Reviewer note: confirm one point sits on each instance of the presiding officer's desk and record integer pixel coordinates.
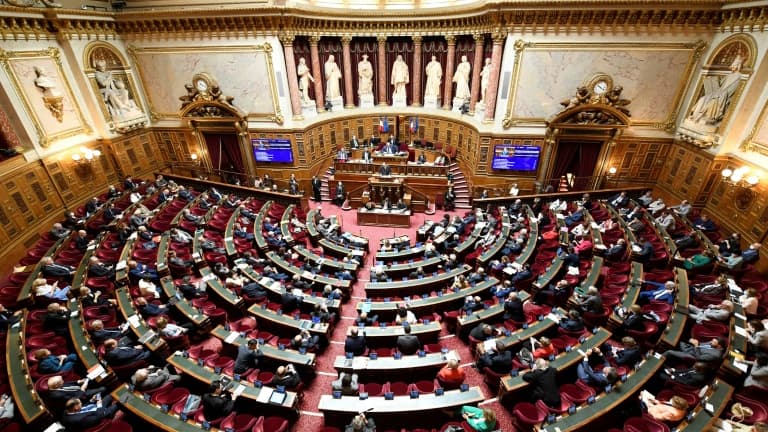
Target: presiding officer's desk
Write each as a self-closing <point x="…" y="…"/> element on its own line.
<point x="562" y="361"/>
<point x="381" y="217"/>
<point x="605" y="402"/>
<point x="401" y="410"/>
<point x="288" y="355"/>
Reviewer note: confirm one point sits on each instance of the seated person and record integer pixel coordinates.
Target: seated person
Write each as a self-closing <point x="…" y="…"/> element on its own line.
<point x="666" y="221"/>
<point x="696" y="376"/>
<point x="484" y="332"/>
<point x="56" y="319"/>
<point x="616" y="251"/>
<point x="153" y="377"/>
<point x="560" y="291"/>
<point x="591" y="301"/>
<point x="752" y="253"/>
<point x="599" y="379"/>
<point x="572" y="322"/>
<point x="385" y="170"/>
<point x="355" y="342"/>
<point x="407" y="343"/>
<point x="629" y="354"/>
<point x="286" y="376"/>
<point x="714" y="312"/>
<point x="79" y="417"/>
<point x="405" y="315"/>
<point x="683" y="208"/>
<point x="480" y="419"/>
<point x="346" y="384"/>
<point x="147" y="309"/>
<point x="732" y="261"/>
<point x="699" y="260"/>
<point x="117" y="355"/>
<point x="48" y="363"/>
<point x="53" y="270"/>
<point x="99" y="333"/>
<point x="41" y="288"/>
<point x="170" y="330"/>
<point x="217" y="403"/>
<point x="671" y="411"/>
<point x="693" y="350"/>
<point x="306" y="341"/>
<point x="513" y="308"/>
<point x="451" y="375"/>
<point x="361" y="423"/>
<point x="498" y="359"/>
<point x="665" y="292"/>
<point x="60" y="391"/>
<point x="248" y="356"/>
<point x="704" y="223"/>
<point x="749" y="301"/>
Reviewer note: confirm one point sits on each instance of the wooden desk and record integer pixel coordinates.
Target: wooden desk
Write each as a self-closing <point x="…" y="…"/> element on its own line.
<point x="125" y="303"/>
<point x="737" y="347"/>
<point x="399" y="369"/>
<point x="394" y="218"/>
<point x="258" y="227"/>
<point x="199" y="319"/>
<point x="291" y="270"/>
<point x="445" y="301"/>
<point x="216" y="286"/>
<point x="287" y="355"/>
<point x="287" y="323"/>
<point x="405" y="268"/>
<point x="338" y="411"/>
<point x="387" y="336"/>
<point x="28" y="403"/>
<point x="563" y="361"/>
<point x="151" y="413"/>
<point x="25" y="294"/>
<point x="208" y="375"/>
<point x="330" y="264"/>
<point x="411" y="287"/>
<point x="671" y="335"/>
<point x="718" y="395"/>
<point x="604" y="403"/>
<point x="630" y="295"/>
<point x="465" y="324"/>
<point x="277" y="289"/>
<point x="405" y="254"/>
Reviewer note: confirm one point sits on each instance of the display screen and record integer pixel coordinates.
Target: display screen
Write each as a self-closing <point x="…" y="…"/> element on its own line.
<point x="272" y="150"/>
<point x="515" y="158"/>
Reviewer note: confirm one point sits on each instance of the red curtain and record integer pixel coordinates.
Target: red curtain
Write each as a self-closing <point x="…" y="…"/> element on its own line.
<point x="578" y="158"/>
<point x="224" y="151"/>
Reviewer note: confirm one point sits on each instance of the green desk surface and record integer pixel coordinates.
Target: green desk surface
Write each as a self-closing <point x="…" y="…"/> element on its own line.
<point x="28" y="404"/>
<point x="400" y="404"/>
<point x="287" y="355"/>
<point x="125" y="304"/>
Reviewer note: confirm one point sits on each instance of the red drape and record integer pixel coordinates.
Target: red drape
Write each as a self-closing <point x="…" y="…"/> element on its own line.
<point x="578" y="158"/>
<point x="225" y="155"/>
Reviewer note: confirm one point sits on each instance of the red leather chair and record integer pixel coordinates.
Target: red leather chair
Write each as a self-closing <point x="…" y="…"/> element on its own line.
<point x="239" y="422"/>
<point x="641" y="336"/>
<point x="492" y="378"/>
<point x="644" y="424"/>
<point x="243" y="325"/>
<point x="373" y="389"/>
<point x="759" y="410"/>
<point x="399" y="388"/>
<point x="170" y="396"/>
<point x="273" y="424"/>
<point x="528" y="415"/>
<point x="200" y="418"/>
<point x="576" y="393"/>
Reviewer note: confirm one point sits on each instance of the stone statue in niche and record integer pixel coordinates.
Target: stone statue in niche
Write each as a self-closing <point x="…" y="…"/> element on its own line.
<point x="485" y="78"/>
<point x="332" y="79"/>
<point x="434" y="72"/>
<point x="365" y="77"/>
<point x="400" y="78"/>
<point x="114" y="92"/>
<point x="461" y="78"/>
<point x="305" y="77"/>
<point x="710" y="108"/>
<point x="52" y="96"/>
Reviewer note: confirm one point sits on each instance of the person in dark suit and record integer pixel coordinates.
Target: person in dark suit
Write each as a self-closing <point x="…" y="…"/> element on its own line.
<point x="48" y="363"/>
<point x="99" y="269"/>
<point x="422" y="158"/>
<point x="498" y="359"/>
<point x="367" y="156"/>
<point x="693" y="350"/>
<point x="79" y="417"/>
<point x="316" y="185"/>
<point x="286" y="376"/>
<point x="355" y="342"/>
<point x="407" y="343"/>
<point x="385" y="170"/>
<point x="60" y="392"/>
<point x="646" y="253"/>
<point x="696" y="376"/>
<point x="110" y="213"/>
<point x="53" y="270"/>
<point x="305" y="341"/>
<point x="100" y="334"/>
<point x="248" y="356"/>
<point x="129" y="184"/>
<point x="147" y="309"/>
<point x="450" y="199"/>
<point x="591" y="302"/>
<point x="341" y="194"/>
<point x="58" y="231"/>
<point x="92" y="206"/>
<point x="543" y="380"/>
<point x="572" y="322"/>
<point x="7" y="317"/>
<point x="56" y="319"/>
<point x="150" y="378"/>
<point x="117" y="355"/>
<point x="616" y="252"/>
<point x="619" y="200"/>
<point x="217" y="403"/>
<point x="513" y="308"/>
<point x="72" y="222"/>
<point x="354" y="143"/>
<point x="629" y="354"/>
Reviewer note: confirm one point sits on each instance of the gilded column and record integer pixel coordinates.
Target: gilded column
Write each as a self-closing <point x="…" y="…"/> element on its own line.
<point x="382" y="75"/>
<point x="416" y="72"/>
<point x="349" y="98"/>
<point x="293" y="80"/>
<point x="448" y="75"/>
<point x="476" y="68"/>
<point x="493" y="82"/>
<point x="317" y="72"/>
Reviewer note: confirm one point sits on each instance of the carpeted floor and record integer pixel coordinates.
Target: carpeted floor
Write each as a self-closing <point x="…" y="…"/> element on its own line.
<point x="311" y="419"/>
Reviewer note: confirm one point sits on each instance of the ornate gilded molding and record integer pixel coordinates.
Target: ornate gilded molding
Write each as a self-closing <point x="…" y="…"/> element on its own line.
<point x="750" y="144"/>
<point x="33" y="3"/>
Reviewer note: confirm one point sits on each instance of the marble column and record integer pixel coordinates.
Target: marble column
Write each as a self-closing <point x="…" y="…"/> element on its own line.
<point x="448" y="75"/>
<point x="317" y="73"/>
<point x="477" y="66"/>
<point x="382" y="66"/>
<point x="349" y="97"/>
<point x="493" y="81"/>
<point x="293" y="80"/>
<point x="417" y="71"/>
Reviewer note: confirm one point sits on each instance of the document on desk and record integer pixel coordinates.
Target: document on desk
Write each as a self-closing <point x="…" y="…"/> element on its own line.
<point x="741" y="331"/>
<point x="452" y="355"/>
<point x="264" y="395"/>
<point x="489" y="345"/>
<point x="238" y="390"/>
<point x="232" y="337"/>
<point x="95" y="371"/>
<point x="134" y="321"/>
<point x="359" y="363"/>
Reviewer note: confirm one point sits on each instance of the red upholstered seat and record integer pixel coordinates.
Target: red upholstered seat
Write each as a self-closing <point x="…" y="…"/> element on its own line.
<point x="239" y="422"/>
<point x="273" y="424"/>
<point x="644" y="424"/>
<point x="528" y="415"/>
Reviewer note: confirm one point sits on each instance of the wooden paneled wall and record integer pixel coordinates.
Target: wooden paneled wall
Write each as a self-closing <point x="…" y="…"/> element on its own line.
<point x="685" y="174"/>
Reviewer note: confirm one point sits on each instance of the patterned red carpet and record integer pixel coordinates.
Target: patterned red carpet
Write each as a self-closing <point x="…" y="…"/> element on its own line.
<point x="311" y="418"/>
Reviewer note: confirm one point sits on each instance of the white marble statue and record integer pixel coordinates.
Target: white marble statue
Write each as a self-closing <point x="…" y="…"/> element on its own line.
<point x="461" y="78"/>
<point x="47" y="84"/>
<point x="400" y="77"/>
<point x="116" y="96"/>
<point x="305" y="77"/>
<point x="485" y="77"/>
<point x="365" y="77"/>
<point x="332" y="79"/>
<point x="434" y="78"/>
<point x="718" y="91"/>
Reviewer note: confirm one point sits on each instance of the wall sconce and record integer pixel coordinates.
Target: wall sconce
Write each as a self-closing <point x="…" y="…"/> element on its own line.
<point x="743" y="183"/>
<point x="87" y="156"/>
<point x="612" y="171"/>
<point x="195" y="158"/>
<point x="739" y="178"/>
